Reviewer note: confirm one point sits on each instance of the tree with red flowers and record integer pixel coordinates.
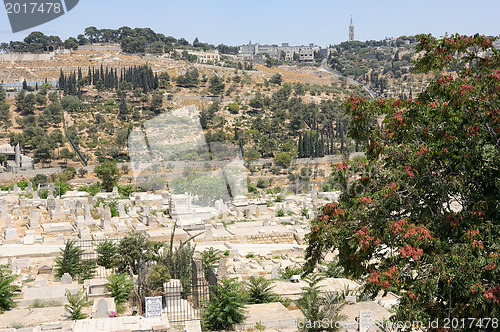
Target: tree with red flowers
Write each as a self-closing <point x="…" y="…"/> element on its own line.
<point x="421" y="216"/>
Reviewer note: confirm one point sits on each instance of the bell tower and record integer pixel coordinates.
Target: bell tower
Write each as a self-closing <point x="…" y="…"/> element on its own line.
<point x="351" y="31"/>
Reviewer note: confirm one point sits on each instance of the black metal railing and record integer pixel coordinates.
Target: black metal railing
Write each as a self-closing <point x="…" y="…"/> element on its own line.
<point x="183" y="297"/>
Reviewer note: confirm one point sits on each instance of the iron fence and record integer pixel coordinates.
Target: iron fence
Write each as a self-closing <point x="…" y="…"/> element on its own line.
<point x="184" y="294"/>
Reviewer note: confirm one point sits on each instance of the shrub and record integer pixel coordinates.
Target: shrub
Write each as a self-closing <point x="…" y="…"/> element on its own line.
<point x="6" y="289"/>
<point x="119" y="287"/>
<point x="107" y="254"/>
<point x="317" y="307"/>
<point x="288" y="272"/>
<point x="210" y="257"/>
<point x="157" y="276"/>
<point x="76" y="302"/>
<point x="260" y="290"/>
<point x="226" y="309"/>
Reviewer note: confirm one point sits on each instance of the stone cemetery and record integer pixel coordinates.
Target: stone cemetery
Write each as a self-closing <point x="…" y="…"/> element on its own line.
<point x="258" y="237"/>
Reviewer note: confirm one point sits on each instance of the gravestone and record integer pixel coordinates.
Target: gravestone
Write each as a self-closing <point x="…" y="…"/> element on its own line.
<point x="265" y="223"/>
<point x="100" y="209"/>
<point x="106" y="219"/>
<point x="45" y="269"/>
<point x="87" y="215"/>
<point x="114" y="193"/>
<point x="222" y="268"/>
<point x="84" y="233"/>
<point x="102" y="308"/>
<point x="365" y="320"/>
<point x="66" y="279"/>
<point x="78" y="206"/>
<point x="29" y="239"/>
<point x="29" y="189"/>
<point x="10" y="235"/>
<point x="209" y="235"/>
<point x="22" y="201"/>
<point x="51" y="203"/>
<point x="35" y="195"/>
<point x="34" y="218"/>
<point x="121" y="211"/>
<point x="90" y="200"/>
<point x="274" y="273"/>
<point x="153" y="306"/>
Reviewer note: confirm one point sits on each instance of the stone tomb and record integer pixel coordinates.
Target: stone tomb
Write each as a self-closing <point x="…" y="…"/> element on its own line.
<point x="57" y="227"/>
<point x="103" y="307"/>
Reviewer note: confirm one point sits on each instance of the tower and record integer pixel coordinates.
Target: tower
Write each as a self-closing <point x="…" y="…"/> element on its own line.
<point x="351" y="31"/>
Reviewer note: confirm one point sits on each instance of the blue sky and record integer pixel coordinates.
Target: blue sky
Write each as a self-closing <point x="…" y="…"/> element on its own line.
<point x="275" y="21"/>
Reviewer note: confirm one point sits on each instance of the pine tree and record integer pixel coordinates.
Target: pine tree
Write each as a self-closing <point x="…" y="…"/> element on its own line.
<point x="70" y="260"/>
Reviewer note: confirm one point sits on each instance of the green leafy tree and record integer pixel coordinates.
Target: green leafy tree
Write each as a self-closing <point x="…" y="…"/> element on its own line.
<point x="227" y="307"/>
<point x="120" y="287"/>
<point x="75" y="305"/>
<point x="44" y="152"/>
<point x="6" y="289"/>
<point x="66" y="154"/>
<point x="108" y="173"/>
<point x="134" y="249"/>
<point x="420" y="216"/>
<point x="82" y="171"/>
<point x="276" y="79"/>
<point x="70" y="260"/>
<point x="107" y="254"/>
<point x="283" y="159"/>
<point x="216" y="86"/>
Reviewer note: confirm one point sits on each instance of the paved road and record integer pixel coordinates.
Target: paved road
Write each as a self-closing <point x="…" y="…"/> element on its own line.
<point x="367" y="87"/>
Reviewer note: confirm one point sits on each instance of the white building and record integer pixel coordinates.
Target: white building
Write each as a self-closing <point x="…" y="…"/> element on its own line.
<point x="15" y="160"/>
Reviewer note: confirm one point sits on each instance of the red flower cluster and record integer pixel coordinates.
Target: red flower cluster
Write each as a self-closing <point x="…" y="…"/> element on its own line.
<point x="393" y="188"/>
<point x="473" y="131"/>
<point x="477" y="244"/>
<point x="448" y="137"/>
<point x="333" y="208"/>
<point x="445" y="79"/>
<point x="495" y="75"/>
<point x="342" y="165"/>
<point x="397" y="103"/>
<point x="422" y="151"/>
<point x="476" y="288"/>
<point x="472" y="233"/>
<point x="408" y="251"/>
<point x="365" y="239"/>
<point x="465" y="88"/>
<point x="490" y="266"/>
<point x="420" y="232"/>
<point x="397" y="225"/>
<point x="366" y="200"/>
<point x="409" y="171"/>
<point x="433" y="104"/>
<point x="398" y="116"/>
<point x="493" y="294"/>
<point x="410" y="295"/>
<point x="355" y="101"/>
